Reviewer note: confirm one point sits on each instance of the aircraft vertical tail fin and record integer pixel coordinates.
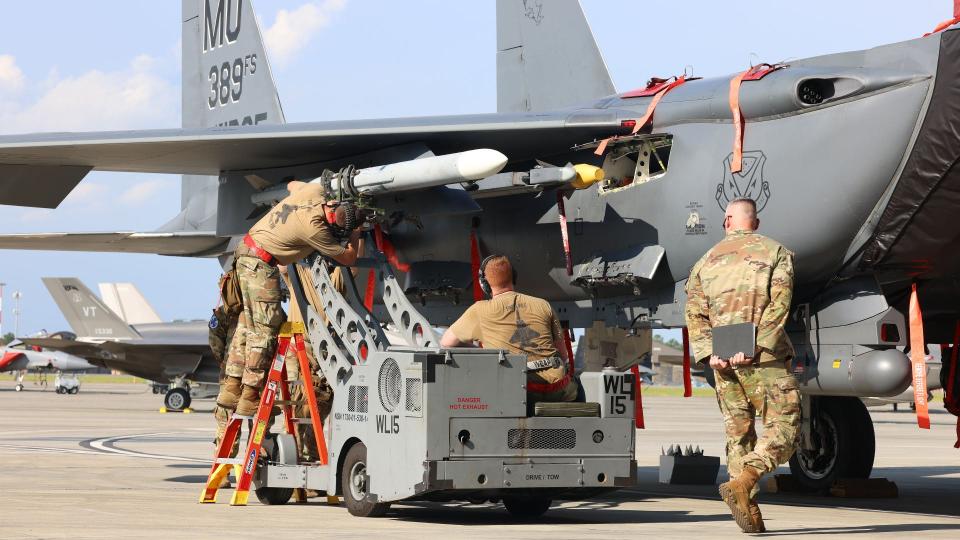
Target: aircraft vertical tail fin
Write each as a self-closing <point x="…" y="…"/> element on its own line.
<point x="87" y="315"/>
<point x="126" y="300"/>
<point x="546" y="56"/>
<point x="227" y="81"/>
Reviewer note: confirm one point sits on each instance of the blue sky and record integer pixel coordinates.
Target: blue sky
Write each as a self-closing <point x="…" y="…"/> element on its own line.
<point x="85" y="66"/>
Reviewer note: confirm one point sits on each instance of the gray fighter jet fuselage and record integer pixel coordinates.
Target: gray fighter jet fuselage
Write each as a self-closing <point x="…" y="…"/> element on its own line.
<point x="849" y="157"/>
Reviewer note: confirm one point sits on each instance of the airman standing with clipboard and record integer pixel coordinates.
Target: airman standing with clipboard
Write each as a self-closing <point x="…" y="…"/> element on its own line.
<point x="747" y="279"/>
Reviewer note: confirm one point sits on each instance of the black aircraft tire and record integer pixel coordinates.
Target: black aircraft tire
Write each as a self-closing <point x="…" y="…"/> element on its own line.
<point x="353" y="478"/>
<point x="861" y="425"/>
<point x="527" y="507"/>
<point x="176" y="399"/>
<point x="835" y="445"/>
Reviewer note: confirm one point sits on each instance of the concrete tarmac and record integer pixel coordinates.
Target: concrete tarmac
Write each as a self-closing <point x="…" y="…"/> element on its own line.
<point x="105" y="464"/>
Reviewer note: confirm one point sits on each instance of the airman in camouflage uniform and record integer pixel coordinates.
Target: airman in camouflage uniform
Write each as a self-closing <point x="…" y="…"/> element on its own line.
<point x="748" y="278"/>
<point x="302" y="223"/>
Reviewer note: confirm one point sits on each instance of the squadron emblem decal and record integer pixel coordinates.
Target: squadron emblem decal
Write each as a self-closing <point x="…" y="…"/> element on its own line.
<point x="695" y="225"/>
<point x="748" y="182"/>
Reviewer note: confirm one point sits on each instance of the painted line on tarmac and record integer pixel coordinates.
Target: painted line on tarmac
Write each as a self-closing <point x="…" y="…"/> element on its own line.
<point x="108" y="445"/>
<point x="51" y="449"/>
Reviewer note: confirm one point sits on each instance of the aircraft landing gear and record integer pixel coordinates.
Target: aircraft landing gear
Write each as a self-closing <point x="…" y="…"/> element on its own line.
<point x="841" y="443"/>
<point x="177" y="399"/>
<point x="18" y="387"/>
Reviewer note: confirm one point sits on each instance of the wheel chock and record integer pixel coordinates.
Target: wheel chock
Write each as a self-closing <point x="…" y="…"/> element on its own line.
<point x="164" y="410"/>
<point x="873" y="488"/>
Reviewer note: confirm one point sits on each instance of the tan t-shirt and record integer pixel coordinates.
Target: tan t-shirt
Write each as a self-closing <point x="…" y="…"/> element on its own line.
<point x="529" y="329"/>
<point x="296" y="227"/>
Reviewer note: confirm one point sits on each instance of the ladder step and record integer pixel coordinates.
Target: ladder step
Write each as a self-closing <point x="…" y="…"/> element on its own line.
<point x="302" y="421"/>
<point x="229" y="461"/>
<point x="283" y="402"/>
<point x="238" y="417"/>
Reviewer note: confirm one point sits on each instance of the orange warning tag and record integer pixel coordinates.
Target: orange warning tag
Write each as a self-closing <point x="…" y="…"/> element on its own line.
<point x="918" y="359"/>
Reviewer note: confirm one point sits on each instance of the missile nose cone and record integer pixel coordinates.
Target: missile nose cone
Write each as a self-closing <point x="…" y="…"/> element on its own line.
<point x="481" y="163"/>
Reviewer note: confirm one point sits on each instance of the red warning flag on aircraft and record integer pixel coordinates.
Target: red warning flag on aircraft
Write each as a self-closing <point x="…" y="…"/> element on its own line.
<point x="755" y="73"/>
<point x="918" y="359"/>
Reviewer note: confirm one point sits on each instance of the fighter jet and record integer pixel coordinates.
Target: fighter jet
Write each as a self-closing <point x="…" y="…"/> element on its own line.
<point x="21" y="358"/>
<point x="849" y="157"/>
<point x="174" y="352"/>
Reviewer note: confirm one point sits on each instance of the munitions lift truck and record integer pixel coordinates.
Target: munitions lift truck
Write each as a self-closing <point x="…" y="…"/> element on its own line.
<point x="417" y="422"/>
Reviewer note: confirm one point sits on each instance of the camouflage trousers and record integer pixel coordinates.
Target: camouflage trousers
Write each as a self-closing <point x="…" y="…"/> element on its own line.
<point x="771" y="390"/>
<point x="304" y="434"/>
<point x="252" y="347"/>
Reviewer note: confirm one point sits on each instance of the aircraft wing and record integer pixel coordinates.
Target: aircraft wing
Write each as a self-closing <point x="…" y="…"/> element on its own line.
<point x="195" y="244"/>
<point x="87" y="351"/>
<point x="61" y="160"/>
<point x="160" y="361"/>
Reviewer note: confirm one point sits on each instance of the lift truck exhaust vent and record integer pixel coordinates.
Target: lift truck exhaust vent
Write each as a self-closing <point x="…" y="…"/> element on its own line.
<point x="357" y="399"/>
<point x="543" y="439"/>
<point x="414" y="397"/>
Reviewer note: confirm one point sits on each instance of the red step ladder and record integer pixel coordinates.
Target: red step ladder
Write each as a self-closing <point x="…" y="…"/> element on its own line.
<point x="245" y="465"/>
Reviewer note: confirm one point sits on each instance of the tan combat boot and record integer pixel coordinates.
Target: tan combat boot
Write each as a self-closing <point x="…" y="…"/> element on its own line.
<point x="229" y="394"/>
<point x="756" y="517"/>
<point x="736" y="493"/>
<point x="249" y="401"/>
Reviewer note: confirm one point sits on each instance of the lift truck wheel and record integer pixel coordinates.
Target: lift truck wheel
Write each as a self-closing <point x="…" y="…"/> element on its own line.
<point x="354" y="478"/>
<point x="177" y="399"/>
<point x="277" y="449"/>
<point x="527" y="507"/>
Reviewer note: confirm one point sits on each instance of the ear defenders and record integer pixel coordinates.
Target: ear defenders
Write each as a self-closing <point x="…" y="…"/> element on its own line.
<point x="345" y="212"/>
<point x="482" y="276"/>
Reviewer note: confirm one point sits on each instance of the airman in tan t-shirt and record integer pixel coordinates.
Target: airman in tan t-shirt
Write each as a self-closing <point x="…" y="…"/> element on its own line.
<point x="520" y="324"/>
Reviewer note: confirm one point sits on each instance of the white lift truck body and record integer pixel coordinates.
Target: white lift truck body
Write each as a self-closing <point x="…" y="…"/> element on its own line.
<point x="417" y="422"/>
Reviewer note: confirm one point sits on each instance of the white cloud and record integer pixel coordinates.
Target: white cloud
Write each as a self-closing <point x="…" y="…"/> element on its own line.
<point x="131" y="98"/>
<point x="140" y="193"/>
<point x="293" y="29"/>
<point x="11" y="78"/>
<point x="87" y="194"/>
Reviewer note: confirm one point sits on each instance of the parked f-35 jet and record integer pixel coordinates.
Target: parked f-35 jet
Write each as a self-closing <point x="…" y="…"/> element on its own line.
<point x="849" y="157"/>
<point x="167" y="352"/>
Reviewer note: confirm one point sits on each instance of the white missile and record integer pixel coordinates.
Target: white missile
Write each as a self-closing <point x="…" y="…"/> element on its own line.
<point x="409" y="175"/>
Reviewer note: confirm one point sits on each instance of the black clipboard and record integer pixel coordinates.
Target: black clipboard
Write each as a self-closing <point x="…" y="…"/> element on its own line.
<point x="731" y="339"/>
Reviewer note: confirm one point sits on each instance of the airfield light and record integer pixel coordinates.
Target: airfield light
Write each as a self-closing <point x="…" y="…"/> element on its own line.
<point x="17" y="295"/>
